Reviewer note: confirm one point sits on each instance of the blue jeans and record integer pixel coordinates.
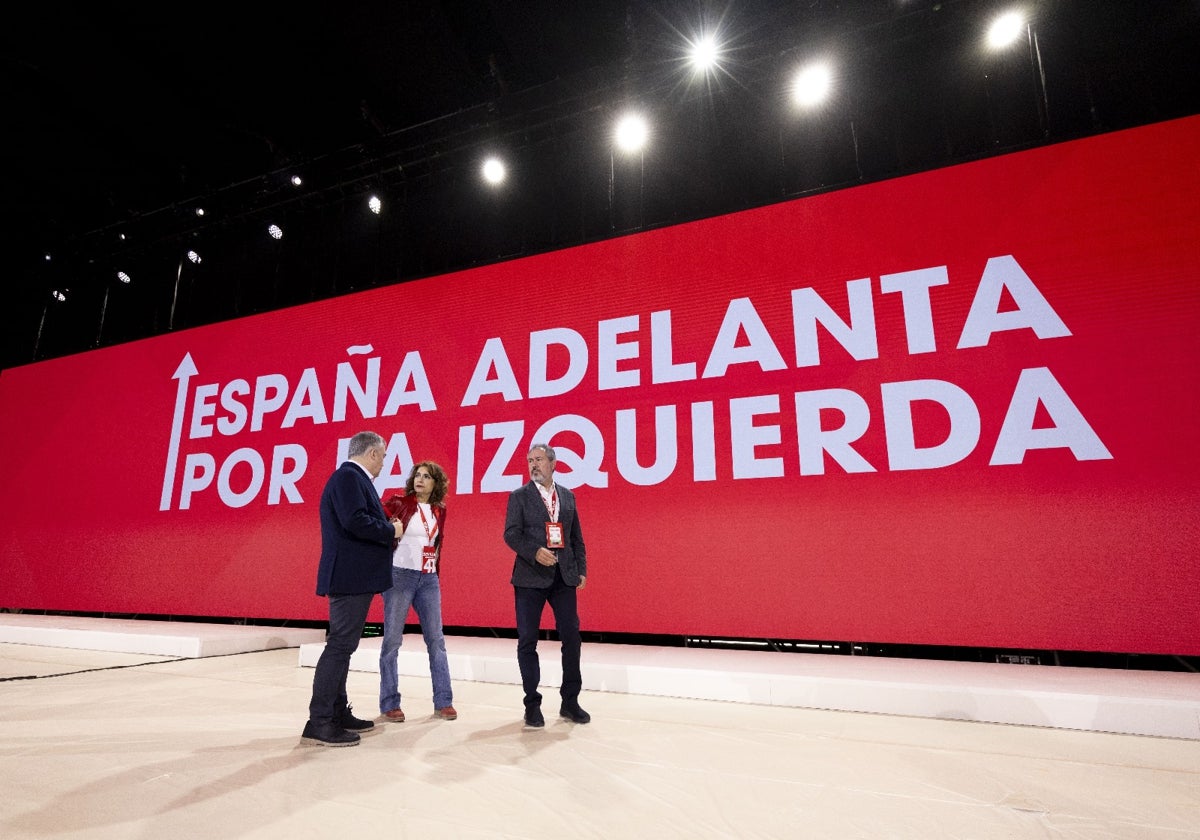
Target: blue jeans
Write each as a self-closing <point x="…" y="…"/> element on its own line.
<point x="530" y="603"/>
<point x="424" y="594"/>
<point x="347" y="616"/>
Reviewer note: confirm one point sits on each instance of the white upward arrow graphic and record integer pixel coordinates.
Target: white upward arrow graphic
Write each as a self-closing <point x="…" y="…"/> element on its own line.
<point x="185" y="371"/>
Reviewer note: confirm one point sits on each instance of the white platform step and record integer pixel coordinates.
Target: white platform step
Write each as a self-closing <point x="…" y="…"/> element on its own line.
<point x="1093" y="699"/>
<point x="160" y="638"/>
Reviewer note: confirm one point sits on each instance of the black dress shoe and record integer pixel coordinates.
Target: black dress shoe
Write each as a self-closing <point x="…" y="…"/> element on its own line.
<point x="572" y="712"/>
<point x="348" y="721"/>
<point x="533" y="716"/>
<point x="328" y="735"/>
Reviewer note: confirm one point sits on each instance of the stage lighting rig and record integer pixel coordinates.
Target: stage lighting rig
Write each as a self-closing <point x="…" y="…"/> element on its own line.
<point x="812" y="84"/>
<point x="631" y="133"/>
<point x="1005" y="30"/>
<point x="494" y="171"/>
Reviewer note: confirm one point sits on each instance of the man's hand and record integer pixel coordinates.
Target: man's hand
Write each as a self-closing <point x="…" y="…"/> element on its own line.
<point x="582" y="582"/>
<point x="545" y="557"/>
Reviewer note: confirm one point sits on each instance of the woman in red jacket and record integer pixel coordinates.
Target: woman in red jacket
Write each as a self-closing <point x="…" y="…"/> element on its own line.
<point x="415" y="566"/>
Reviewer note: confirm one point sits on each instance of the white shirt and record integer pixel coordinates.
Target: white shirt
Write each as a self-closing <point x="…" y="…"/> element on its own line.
<point x="408" y="553"/>
<point x="548" y="494"/>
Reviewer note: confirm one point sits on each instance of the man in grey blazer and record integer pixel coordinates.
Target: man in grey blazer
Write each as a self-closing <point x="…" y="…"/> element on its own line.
<point x="356" y="563"/>
<point x="542" y="527"/>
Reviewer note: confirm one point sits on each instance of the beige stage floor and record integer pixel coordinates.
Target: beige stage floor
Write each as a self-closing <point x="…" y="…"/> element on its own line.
<point x="210" y="748"/>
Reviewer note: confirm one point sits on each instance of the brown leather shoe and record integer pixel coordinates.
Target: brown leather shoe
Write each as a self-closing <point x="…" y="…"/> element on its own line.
<point x="395" y="716"/>
<point x="446" y="713"/>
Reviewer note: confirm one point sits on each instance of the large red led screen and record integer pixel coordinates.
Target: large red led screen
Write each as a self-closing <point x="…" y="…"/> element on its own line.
<point x="956" y="408"/>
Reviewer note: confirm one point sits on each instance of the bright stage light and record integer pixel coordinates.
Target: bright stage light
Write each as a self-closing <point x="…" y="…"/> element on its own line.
<point x="194" y="257"/>
<point x="1005" y="30"/>
<point x="276" y="232"/>
<point x="375" y="204"/>
<point x="631" y="133"/>
<point x="199" y="211"/>
<point x="297" y="180"/>
<point x="811" y="85"/>
<point x="123" y="277"/>
<point x="58" y="296"/>
<point x="704" y="54"/>
<point x="494" y="171"/>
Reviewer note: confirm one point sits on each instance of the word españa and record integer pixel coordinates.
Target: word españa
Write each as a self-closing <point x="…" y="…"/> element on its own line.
<point x="741" y="339"/>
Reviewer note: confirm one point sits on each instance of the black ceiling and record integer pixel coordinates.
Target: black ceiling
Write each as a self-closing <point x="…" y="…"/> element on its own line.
<point x="131" y="110"/>
<point x="118" y="118"/>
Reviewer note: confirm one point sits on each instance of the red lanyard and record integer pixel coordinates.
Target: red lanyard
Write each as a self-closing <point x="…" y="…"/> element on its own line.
<point x="551" y="504"/>
<point x="428" y="533"/>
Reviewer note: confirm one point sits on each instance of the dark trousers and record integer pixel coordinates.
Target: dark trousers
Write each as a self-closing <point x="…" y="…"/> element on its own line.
<point x="347" y="617"/>
<point x="530" y="604"/>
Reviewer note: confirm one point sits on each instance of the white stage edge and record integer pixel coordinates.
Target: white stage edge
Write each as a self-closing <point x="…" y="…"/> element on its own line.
<point x="184" y="639"/>
<point x="1165" y="704"/>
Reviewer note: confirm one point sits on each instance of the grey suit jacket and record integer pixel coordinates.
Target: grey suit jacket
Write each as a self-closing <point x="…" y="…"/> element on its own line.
<point x="525" y="533"/>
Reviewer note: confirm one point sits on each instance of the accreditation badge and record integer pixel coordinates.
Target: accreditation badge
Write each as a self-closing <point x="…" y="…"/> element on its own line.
<point x="554" y="535"/>
<point x="429" y="559"/>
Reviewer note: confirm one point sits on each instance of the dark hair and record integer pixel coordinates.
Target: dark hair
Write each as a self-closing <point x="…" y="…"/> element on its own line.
<point x="440" y="482"/>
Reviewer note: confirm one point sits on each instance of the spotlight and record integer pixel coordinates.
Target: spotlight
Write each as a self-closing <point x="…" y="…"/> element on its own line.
<point x="375" y="204"/>
<point x="47" y="256"/>
<point x="297" y="180"/>
<point x="121" y="236"/>
<point x="1005" y="29"/>
<point x="276" y="232"/>
<point x="631" y="133"/>
<point x="194" y="257"/>
<point x="811" y="85"/>
<point x="59" y="296"/>
<point x="704" y="54"/>
<point x="123" y="277"/>
<point x="199" y="211"/>
<point x="493" y="170"/>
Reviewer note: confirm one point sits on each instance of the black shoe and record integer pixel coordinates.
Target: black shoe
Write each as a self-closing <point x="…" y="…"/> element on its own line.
<point x="349" y="722"/>
<point x="328" y="735"/>
<point x="533" y="716"/>
<point x="572" y="712"/>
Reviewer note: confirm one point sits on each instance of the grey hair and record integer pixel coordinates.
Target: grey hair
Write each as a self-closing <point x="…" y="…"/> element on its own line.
<point x="545" y="447"/>
<point x="364" y="442"/>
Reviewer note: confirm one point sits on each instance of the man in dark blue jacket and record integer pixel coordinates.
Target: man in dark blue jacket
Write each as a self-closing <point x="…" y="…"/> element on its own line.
<point x="356" y="563"/>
